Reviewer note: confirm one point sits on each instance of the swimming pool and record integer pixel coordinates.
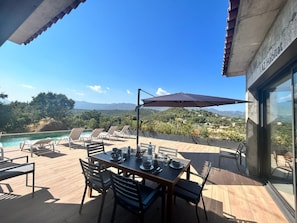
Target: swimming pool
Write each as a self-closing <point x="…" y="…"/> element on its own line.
<point x="8" y="140"/>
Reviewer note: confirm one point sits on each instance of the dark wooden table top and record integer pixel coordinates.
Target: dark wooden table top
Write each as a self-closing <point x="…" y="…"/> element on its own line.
<point x="168" y="175"/>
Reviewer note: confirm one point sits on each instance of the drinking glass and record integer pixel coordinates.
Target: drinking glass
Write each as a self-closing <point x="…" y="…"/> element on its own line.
<point x="166" y="160"/>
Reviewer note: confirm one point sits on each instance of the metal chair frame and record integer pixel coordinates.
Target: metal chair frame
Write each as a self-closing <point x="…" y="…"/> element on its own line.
<point x="133" y="196"/>
<point x="97" y="179"/>
<point x="191" y="191"/>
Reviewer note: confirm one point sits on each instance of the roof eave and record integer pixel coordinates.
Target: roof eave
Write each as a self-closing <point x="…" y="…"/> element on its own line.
<point x="247" y="25"/>
<point x="43" y="17"/>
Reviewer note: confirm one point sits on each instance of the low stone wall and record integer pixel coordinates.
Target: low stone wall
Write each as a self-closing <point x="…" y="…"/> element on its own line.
<point x="190" y="139"/>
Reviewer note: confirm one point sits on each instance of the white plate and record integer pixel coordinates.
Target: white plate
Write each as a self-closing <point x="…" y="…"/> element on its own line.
<point x="119" y="159"/>
<point x="176" y="167"/>
<point x="142" y="167"/>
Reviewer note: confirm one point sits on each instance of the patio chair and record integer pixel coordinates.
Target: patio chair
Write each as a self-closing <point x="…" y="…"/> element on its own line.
<point x="97" y="148"/>
<point x="133" y="196"/>
<point x="47" y="143"/>
<point x="171" y="152"/>
<point x="233" y="154"/>
<point x="97" y="179"/>
<point x="93" y="149"/>
<point x="144" y="146"/>
<point x="109" y="134"/>
<point x="74" y="136"/>
<point x="285" y="164"/>
<point x="94" y="135"/>
<point x="191" y="191"/>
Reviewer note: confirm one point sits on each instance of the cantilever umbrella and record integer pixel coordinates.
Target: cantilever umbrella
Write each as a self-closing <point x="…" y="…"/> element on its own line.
<point x="186" y="100"/>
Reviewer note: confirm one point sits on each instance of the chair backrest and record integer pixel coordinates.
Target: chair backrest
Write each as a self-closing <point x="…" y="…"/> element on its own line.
<point x="241" y="148"/>
<point x="75" y="133"/>
<point x="112" y="129"/>
<point x="275" y="157"/>
<point x="95" y="148"/>
<point x="95" y="133"/>
<point x="93" y="175"/>
<point x="288" y="156"/>
<point x="125" y="129"/>
<point x="205" y="172"/>
<point x="144" y="146"/>
<point x="171" y="152"/>
<point x="126" y="191"/>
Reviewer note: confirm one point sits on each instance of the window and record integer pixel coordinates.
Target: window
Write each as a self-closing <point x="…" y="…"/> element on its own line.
<point x="278" y="156"/>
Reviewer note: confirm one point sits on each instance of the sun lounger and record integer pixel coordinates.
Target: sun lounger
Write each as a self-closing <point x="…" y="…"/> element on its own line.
<point x="94" y="135"/>
<point x="47" y="143"/>
<point x="124" y="133"/>
<point x="109" y="134"/>
<point x="74" y="136"/>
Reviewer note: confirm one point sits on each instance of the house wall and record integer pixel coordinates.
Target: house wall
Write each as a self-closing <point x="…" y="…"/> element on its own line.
<point x="252" y="134"/>
<point x="276" y="51"/>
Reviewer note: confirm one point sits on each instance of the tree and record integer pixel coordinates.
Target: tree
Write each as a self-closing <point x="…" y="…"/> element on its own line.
<point x="21" y="115"/>
<point x="2" y="95"/>
<point x="56" y="106"/>
<point x="87" y="115"/>
<point x="5" y="114"/>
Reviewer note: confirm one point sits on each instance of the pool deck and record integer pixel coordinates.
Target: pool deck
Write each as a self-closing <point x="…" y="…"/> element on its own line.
<point x="230" y="195"/>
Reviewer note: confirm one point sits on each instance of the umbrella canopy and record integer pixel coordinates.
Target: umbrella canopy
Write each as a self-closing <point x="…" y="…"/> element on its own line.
<point x="188" y="100"/>
<point x="183" y="100"/>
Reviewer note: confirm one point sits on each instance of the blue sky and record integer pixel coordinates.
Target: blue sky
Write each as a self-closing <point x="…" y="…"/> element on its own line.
<point x="103" y="51"/>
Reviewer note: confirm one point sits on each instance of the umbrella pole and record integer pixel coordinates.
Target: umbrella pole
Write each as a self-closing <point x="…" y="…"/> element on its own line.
<point x="137" y="129"/>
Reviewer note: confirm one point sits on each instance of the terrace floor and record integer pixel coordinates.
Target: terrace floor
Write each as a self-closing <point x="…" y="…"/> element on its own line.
<point x="230" y="195"/>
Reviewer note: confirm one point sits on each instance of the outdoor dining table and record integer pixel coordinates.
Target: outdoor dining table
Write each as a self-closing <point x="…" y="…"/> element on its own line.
<point x="167" y="178"/>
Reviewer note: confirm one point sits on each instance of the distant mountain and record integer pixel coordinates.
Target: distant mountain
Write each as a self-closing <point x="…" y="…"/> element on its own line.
<point x="83" y="105"/>
<point x="96" y="106"/>
<point x="233" y="114"/>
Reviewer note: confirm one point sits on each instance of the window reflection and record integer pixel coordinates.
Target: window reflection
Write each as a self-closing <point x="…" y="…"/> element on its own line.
<point x="279" y="131"/>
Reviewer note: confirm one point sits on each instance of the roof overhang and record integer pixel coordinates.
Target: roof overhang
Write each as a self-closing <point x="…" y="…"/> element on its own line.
<point x="22" y="21"/>
<point x="247" y="25"/>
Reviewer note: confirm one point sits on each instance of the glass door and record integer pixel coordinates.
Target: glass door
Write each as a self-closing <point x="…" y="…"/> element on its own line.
<point x="279" y="131"/>
<point x="295" y="132"/>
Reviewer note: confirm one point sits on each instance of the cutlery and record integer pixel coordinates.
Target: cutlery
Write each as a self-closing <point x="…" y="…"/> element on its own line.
<point x="156" y="170"/>
<point x="159" y="171"/>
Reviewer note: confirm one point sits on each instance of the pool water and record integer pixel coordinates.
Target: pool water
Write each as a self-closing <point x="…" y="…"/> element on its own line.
<point x="8" y="140"/>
